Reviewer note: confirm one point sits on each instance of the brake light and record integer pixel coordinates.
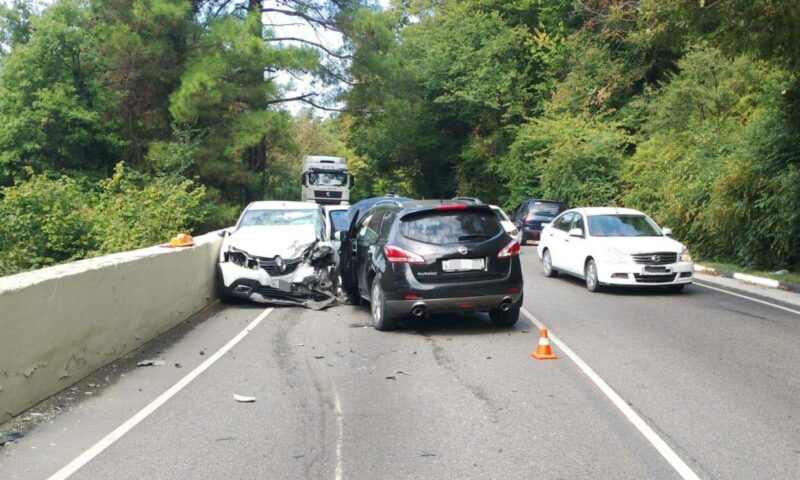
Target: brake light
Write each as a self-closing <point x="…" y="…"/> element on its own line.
<point x="451" y="207"/>
<point x="399" y="255"/>
<point x="509" y="250"/>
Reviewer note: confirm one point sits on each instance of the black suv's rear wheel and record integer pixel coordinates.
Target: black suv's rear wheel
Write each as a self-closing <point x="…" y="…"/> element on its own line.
<point x="504" y="318"/>
<point x="380" y="314"/>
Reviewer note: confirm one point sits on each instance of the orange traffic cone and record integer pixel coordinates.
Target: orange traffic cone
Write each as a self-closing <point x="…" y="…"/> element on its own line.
<point x="543" y="351"/>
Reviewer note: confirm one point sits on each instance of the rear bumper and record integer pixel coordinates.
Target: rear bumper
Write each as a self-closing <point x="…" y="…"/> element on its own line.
<point x="448" y="305"/>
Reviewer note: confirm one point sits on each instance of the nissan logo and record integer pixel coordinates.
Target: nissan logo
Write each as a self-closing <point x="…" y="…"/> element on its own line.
<point x="656" y="258"/>
<point x="462" y="250"/>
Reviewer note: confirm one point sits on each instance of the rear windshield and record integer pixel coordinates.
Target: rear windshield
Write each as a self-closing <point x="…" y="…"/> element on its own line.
<point x="622" y="226"/>
<point x="548" y="210"/>
<point x="501" y="215"/>
<point x="451" y="227"/>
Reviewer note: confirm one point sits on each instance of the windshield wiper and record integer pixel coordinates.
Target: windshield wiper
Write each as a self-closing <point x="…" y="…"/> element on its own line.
<point x="474" y="235"/>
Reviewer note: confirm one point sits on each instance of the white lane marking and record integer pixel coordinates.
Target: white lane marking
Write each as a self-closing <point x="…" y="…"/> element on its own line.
<point x="796" y="312"/>
<point x="118" y="432"/>
<point x="669" y="455"/>
<point x="340" y="426"/>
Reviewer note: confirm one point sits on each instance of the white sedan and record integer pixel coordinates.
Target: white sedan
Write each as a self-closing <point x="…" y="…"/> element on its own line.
<point x="614" y="246"/>
<point x="278" y="253"/>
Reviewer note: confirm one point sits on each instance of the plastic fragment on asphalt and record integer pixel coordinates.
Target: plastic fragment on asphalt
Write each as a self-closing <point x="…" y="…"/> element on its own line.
<point x="11" y="437"/>
<point x="243" y="398"/>
<point x="151" y="363"/>
<point x="319" y="357"/>
<point x="401" y="372"/>
<point x="178" y="365"/>
<point x="426" y="454"/>
<point x="360" y="325"/>
<point x="391" y="377"/>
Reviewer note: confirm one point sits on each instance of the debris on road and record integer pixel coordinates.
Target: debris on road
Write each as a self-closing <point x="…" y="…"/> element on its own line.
<point x="202" y="352"/>
<point x="224" y="439"/>
<point x="151" y="363"/>
<point x="391" y="377"/>
<point x="319" y="357"/>
<point x="360" y="325"/>
<point x="426" y="454"/>
<point x="178" y="365"/>
<point x="243" y="398"/>
<point x="297" y="457"/>
<point x="11" y="437"/>
<point x="401" y="372"/>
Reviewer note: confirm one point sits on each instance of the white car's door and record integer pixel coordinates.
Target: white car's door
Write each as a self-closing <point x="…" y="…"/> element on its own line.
<point x="556" y="236"/>
<point x="576" y="248"/>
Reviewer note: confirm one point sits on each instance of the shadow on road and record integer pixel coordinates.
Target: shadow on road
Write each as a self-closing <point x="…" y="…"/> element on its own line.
<point x="454" y="324"/>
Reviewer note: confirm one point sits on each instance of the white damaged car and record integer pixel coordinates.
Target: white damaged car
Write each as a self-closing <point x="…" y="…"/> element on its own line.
<point x="279" y="253"/>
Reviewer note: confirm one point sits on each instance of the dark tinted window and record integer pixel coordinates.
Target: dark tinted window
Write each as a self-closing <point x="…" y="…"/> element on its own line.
<point x="451" y="227"/>
<point x="370" y="227"/>
<point x="545" y="209"/>
<point x="579" y="223"/>
<point x="622" y="226"/>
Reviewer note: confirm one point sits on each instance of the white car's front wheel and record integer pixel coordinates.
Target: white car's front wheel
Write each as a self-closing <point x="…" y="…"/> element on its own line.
<point x="547" y="265"/>
<point x="592" y="283"/>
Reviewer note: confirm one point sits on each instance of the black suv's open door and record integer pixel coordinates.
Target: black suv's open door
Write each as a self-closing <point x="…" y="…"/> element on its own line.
<point x="346" y="260"/>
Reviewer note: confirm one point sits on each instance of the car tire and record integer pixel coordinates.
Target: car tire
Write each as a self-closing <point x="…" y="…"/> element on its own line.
<point x="547" y="265"/>
<point x="380" y="313"/>
<point x="590" y="275"/>
<point x="222" y="292"/>
<point x="504" y="319"/>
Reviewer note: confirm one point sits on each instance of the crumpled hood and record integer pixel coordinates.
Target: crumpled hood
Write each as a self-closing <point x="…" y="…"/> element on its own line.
<point x="268" y="241"/>
<point x="631" y="245"/>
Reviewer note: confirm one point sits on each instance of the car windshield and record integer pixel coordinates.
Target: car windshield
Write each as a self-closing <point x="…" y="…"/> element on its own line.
<point x="263" y="218"/>
<point x="453" y="227"/>
<point x="622" y="226"/>
<point x="327" y="179"/>
<point x="546" y="210"/>
<point x="340" y="220"/>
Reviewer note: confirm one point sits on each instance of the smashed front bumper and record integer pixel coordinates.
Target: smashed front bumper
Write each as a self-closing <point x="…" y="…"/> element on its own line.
<point x="306" y="285"/>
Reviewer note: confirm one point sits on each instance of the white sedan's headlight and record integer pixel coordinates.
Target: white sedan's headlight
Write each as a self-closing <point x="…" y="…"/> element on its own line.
<point x="685" y="255"/>
<point x="241" y="258"/>
<point x="615" y="256"/>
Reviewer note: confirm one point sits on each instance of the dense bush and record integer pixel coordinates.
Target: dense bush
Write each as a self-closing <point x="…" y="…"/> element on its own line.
<point x="48" y="221"/>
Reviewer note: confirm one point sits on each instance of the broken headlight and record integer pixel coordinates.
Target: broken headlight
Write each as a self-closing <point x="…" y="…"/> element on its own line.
<point x="242" y="259"/>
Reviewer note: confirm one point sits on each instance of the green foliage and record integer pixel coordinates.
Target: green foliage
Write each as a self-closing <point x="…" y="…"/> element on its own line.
<point x="53" y="220"/>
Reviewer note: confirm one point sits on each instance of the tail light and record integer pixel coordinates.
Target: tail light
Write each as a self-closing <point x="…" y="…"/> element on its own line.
<point x="399" y="255"/>
<point x="509" y="250"/>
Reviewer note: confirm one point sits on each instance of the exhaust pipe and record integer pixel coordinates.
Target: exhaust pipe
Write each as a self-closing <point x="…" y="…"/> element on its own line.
<point x="505" y="305"/>
<point x="418" y="310"/>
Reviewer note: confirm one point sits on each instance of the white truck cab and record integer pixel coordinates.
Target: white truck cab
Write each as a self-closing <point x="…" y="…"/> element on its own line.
<point x="326" y="180"/>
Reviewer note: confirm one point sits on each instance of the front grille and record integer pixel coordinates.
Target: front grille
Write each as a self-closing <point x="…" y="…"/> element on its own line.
<point x="656" y="258"/>
<point x="272" y="269"/>
<point x="654" y="278"/>
<point x="323" y="194"/>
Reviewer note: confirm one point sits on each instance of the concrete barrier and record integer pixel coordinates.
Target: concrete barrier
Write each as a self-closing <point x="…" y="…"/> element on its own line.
<point x="61" y="323"/>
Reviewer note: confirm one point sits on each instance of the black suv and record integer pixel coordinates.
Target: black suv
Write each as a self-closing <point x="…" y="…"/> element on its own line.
<point x="421" y="257"/>
<point x="529" y="216"/>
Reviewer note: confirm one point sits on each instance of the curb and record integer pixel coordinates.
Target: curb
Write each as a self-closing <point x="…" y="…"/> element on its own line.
<point x="761" y="281"/>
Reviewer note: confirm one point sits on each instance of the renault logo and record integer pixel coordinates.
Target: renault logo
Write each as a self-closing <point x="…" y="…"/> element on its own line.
<point x="279" y="264"/>
<point x="462" y="250"/>
<point x="656" y="258"/>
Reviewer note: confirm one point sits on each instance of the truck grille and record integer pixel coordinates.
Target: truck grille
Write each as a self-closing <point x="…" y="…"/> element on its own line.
<point x="322" y="194"/>
<point x="656" y="258"/>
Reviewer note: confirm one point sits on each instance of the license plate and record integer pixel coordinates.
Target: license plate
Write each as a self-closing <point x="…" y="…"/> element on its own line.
<point x="463" y="264"/>
<point x="655" y="270"/>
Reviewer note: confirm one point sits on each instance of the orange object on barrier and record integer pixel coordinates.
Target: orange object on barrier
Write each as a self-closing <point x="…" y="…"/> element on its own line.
<point x="181" y="240"/>
<point x="543" y="351"/>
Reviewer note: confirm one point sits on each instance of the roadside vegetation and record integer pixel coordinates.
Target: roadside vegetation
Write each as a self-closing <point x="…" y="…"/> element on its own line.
<point x="123" y="123"/>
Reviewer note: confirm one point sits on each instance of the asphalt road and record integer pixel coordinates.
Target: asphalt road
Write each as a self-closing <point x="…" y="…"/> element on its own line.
<point x="715" y="376"/>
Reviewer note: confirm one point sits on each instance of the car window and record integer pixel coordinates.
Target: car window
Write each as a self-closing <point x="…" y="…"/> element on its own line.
<point x="622" y="226"/>
<point x="386" y="226"/>
<point x="500" y="214"/>
<point x="442" y="228"/>
<point x="370" y="228"/>
<point x="563" y="222"/>
<point x="546" y="210"/>
<point x="279" y="217"/>
<point x="578" y="223"/>
<point x="339" y="220"/>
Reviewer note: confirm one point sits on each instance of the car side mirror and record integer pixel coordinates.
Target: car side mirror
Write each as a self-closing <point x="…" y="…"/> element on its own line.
<point x="576" y="232"/>
<point x="667" y="231"/>
<point x="337" y="235"/>
<point x="223" y="233"/>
